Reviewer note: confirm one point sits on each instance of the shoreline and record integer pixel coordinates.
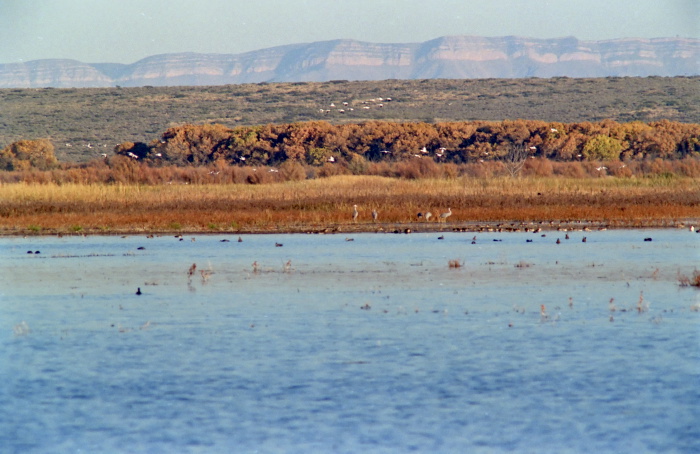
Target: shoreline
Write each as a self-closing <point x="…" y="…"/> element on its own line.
<point x="386" y="228"/>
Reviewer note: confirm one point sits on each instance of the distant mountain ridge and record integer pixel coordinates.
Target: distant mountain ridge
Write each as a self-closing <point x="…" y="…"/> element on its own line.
<point x="449" y="57"/>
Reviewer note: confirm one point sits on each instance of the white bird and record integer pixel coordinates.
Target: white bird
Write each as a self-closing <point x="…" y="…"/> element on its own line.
<point x="446" y="214"/>
<point x="428" y="215"/>
<point x="354" y="213"/>
<point x="374" y="215"/>
<point x="331" y="159"/>
<point x="423" y="150"/>
<point x="692" y="228"/>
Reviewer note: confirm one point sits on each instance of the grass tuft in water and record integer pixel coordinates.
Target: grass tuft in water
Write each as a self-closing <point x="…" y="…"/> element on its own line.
<point x="685" y="281"/>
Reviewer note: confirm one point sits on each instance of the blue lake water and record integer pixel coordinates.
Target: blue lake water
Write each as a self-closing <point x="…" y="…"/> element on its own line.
<point x="372" y="345"/>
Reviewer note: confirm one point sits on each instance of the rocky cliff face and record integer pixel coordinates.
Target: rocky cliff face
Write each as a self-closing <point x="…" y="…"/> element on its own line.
<point x="447" y="57"/>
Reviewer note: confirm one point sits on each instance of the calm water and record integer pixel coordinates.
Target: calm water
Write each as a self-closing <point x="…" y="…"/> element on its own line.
<point x="371" y="345"/>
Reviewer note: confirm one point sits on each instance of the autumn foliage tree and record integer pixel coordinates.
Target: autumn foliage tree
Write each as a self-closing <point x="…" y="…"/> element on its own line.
<point x="602" y="148"/>
<point x="28" y="154"/>
<point x="352" y="147"/>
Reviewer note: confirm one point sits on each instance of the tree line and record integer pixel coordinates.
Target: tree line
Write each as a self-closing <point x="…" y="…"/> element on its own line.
<point x="353" y="145"/>
<point x="319" y="142"/>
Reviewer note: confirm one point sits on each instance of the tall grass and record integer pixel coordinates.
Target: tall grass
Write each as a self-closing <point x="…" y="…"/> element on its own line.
<point x="320" y="203"/>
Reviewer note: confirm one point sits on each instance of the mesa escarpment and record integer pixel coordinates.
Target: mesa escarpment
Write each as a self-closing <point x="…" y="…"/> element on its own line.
<point x="449" y="57"/>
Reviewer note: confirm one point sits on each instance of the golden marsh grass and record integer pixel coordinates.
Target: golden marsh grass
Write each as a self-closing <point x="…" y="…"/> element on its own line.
<point x="327" y="203"/>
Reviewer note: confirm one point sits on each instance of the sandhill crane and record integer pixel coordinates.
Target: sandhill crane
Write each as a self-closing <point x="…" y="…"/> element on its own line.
<point x="446" y="214"/>
<point x="355" y="213"/>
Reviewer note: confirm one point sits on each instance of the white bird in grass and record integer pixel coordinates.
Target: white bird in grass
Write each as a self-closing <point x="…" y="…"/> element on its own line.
<point x="374" y="215"/>
<point x="355" y="213"/>
<point x="445" y="215"/>
<point x="428" y="215"/>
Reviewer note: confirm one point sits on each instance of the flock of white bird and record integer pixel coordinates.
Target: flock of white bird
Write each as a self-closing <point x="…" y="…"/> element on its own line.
<point x="346" y="106"/>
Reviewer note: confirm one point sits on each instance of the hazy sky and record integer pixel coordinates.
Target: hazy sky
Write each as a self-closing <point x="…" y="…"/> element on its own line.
<point x="125" y="31"/>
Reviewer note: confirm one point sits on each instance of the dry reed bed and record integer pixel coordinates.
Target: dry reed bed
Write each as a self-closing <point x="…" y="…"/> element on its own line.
<point x="327" y="203"/>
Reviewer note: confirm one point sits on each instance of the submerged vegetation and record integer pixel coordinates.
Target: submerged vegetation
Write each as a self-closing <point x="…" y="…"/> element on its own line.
<point x="692" y="281"/>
